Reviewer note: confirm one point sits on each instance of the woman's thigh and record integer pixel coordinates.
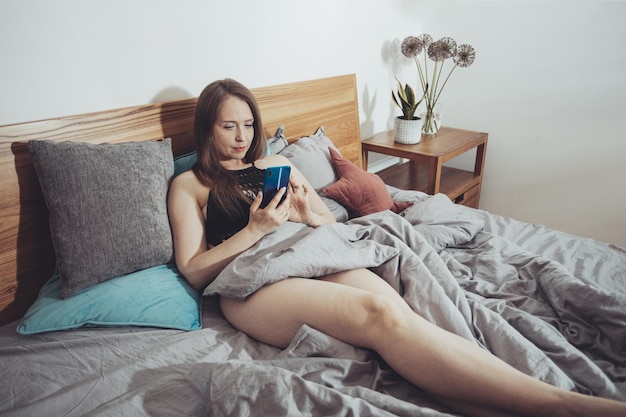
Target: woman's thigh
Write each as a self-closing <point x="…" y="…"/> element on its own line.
<point x="337" y="304"/>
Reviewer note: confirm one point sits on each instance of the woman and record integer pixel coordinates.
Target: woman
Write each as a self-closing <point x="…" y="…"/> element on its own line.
<point x="215" y="215"/>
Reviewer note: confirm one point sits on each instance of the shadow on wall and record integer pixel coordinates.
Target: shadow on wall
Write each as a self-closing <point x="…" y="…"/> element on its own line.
<point x="177" y="113"/>
<point x="171" y="93"/>
<point x="367" y="106"/>
<point x="395" y="62"/>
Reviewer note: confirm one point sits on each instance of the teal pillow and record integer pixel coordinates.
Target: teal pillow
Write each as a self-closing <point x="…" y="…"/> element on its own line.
<point x="184" y="162"/>
<point x="155" y="297"/>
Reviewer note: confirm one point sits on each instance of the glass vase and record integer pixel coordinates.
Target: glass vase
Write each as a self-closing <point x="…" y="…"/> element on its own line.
<point x="431" y="119"/>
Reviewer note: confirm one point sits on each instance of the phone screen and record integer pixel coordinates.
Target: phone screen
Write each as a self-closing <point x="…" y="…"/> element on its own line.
<point x="275" y="179"/>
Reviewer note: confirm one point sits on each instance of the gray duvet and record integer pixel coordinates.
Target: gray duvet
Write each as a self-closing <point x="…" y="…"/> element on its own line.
<point x="550" y="304"/>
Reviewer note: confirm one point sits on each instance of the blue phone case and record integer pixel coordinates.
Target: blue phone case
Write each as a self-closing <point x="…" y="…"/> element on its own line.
<point x="275" y="179"/>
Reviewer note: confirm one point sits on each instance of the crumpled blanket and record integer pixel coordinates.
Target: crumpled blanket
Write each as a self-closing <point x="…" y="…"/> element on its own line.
<point x="528" y="310"/>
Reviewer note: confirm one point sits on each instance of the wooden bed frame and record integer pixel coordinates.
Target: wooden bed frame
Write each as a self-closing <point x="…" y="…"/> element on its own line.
<point x="26" y="253"/>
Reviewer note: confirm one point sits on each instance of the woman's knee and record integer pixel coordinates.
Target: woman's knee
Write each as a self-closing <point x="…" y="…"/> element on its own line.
<point x="384" y="317"/>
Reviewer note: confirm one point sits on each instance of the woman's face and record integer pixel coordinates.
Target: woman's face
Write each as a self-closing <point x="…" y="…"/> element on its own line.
<point x="233" y="130"/>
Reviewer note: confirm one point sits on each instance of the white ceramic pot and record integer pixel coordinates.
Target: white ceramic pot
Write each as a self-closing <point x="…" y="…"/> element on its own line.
<point x="408" y="132"/>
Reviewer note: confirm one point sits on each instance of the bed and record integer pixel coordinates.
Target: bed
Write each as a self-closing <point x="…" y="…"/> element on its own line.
<point x="106" y="333"/>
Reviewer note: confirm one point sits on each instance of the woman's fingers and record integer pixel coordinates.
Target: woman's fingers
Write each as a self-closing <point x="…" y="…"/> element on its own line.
<point x="276" y="209"/>
<point x="274" y="202"/>
<point x="256" y="203"/>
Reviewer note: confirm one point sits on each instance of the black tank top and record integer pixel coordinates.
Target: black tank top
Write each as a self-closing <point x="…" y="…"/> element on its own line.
<point x="219" y="225"/>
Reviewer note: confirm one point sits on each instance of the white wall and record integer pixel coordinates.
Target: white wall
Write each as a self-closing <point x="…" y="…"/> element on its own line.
<point x="548" y="84"/>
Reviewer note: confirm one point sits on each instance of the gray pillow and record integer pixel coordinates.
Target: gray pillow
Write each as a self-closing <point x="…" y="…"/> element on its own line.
<point x="339" y="212"/>
<point x="107" y="207"/>
<point x="278" y="142"/>
<point x="311" y="156"/>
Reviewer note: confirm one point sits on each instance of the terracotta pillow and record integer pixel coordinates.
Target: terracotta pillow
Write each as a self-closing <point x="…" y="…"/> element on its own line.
<point x="360" y="191"/>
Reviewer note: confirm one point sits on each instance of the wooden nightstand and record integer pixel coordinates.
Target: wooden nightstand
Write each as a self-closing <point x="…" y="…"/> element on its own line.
<point x="425" y="171"/>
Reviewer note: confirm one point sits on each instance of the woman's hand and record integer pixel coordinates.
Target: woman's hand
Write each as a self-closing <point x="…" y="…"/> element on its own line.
<point x="300" y="207"/>
<point x="265" y="220"/>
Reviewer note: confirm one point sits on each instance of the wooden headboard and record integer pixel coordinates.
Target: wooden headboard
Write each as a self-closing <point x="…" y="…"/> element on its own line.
<point x="26" y="253"/>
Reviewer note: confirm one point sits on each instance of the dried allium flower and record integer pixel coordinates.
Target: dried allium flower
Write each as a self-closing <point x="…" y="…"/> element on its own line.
<point x="411" y="46"/>
<point x="465" y="56"/>
<point x="434" y="51"/>
<point x="442" y="49"/>
<point x="448" y="47"/>
<point x="425" y="39"/>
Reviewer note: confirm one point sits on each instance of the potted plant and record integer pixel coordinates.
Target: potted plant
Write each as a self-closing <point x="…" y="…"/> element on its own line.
<point x="408" y="127"/>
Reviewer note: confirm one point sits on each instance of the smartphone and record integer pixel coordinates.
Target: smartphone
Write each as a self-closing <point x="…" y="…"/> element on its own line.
<point x="275" y="179"/>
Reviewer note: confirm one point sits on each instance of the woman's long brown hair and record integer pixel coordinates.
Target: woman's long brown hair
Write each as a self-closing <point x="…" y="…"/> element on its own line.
<point x="208" y="169"/>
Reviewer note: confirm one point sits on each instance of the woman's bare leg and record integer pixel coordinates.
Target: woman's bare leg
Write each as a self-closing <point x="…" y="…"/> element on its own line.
<point x="360" y="308"/>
